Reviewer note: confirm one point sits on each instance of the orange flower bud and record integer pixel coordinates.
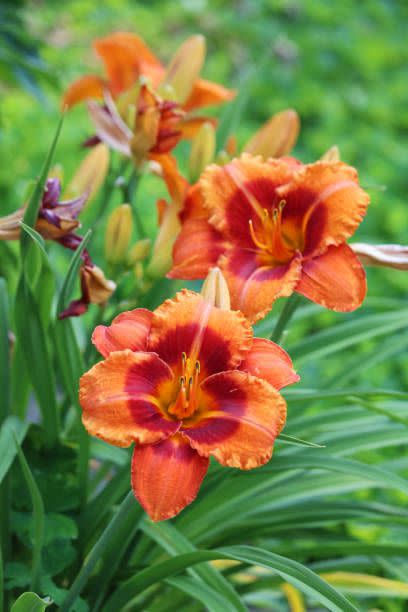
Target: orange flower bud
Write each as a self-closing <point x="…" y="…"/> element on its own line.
<point x="185" y="67"/>
<point x="384" y="255"/>
<point x="118" y="234"/>
<point x="277" y="137"/>
<point x="202" y="150"/>
<point x="215" y="290"/>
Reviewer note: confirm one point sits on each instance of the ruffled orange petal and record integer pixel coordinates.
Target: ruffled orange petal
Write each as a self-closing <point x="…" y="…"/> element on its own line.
<point x="206" y="93"/>
<point x="196" y="250"/>
<point x="241" y="418"/>
<point x="335" y="279"/>
<point x="254" y="286"/>
<point x="129" y="330"/>
<point x="269" y="361"/>
<point x="120" y="399"/>
<point x="240" y="192"/>
<point x="90" y="86"/>
<point x="126" y="57"/>
<point x="188" y="324"/>
<point x="193" y="204"/>
<point x="326" y="202"/>
<point x="166" y="477"/>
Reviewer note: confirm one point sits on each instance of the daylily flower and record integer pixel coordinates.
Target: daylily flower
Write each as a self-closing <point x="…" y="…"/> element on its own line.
<point x="127" y="58"/>
<point x="382" y="255"/>
<point x="184" y="383"/>
<point x="284" y="226"/>
<point x="155" y="131"/>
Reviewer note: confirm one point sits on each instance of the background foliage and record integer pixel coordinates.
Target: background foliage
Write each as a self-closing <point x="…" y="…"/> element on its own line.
<point x="336" y="509"/>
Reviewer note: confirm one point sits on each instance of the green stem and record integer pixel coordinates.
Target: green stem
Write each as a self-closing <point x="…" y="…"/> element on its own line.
<point x="108" y="537"/>
<point x="287" y="312"/>
<point x="129" y="191"/>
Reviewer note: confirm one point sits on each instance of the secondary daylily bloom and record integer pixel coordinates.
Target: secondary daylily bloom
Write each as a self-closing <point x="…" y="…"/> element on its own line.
<point x="383" y="255"/>
<point x="284" y="226"/>
<point x="156" y="129"/>
<point x="127" y="58"/>
<point x="184" y="383"/>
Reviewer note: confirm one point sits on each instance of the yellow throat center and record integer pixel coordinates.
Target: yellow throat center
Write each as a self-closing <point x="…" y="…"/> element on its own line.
<point x="186" y="401"/>
<point x="271" y="237"/>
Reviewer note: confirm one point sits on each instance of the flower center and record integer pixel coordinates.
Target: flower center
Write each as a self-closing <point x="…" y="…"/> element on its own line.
<point x="270" y="236"/>
<point x="186" y="401"/>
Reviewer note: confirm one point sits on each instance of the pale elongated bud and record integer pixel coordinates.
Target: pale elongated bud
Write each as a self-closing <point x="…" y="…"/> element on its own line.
<point x="118" y="234"/>
<point x="277" y="137"/>
<point x="332" y="154"/>
<point x="215" y="290"/>
<point x="91" y="173"/>
<point x="202" y="150"/>
<point x="384" y="255"/>
<point x="185" y="67"/>
<point x="139" y="251"/>
<point x="161" y="260"/>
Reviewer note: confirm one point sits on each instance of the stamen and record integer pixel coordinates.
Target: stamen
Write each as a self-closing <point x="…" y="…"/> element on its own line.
<point x="255" y="239"/>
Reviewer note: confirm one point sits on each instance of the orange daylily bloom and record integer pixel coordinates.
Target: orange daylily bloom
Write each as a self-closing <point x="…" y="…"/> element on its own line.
<point x="127" y="58"/>
<point x="285" y="226"/>
<point x="185" y="382"/>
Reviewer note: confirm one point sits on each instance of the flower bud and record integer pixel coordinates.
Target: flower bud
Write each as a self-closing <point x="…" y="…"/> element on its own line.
<point x="91" y="173"/>
<point x="384" y="255"/>
<point x="277" y="137"/>
<point x="185" y="66"/>
<point x="118" y="234"/>
<point x="139" y="251"/>
<point x="202" y="150"/>
<point x="161" y="260"/>
<point x="331" y="155"/>
<point x="215" y="290"/>
<point x="222" y="158"/>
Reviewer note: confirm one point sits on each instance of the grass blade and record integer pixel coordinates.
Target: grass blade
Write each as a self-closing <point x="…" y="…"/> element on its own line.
<point x="38" y="515"/>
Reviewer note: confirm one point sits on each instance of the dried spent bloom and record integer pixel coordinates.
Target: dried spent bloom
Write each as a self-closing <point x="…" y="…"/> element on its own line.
<point x="184" y="383"/>
<point x="56" y="219"/>
<point x="95" y="289"/>
<point x="384" y="255"/>
<point x="282" y="227"/>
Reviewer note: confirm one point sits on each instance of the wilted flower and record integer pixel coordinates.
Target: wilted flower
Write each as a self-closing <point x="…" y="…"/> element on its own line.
<point x="284" y="226"/>
<point x="95" y="289"/>
<point x="383" y="255"/>
<point x="185" y="382"/>
<point x="56" y="219"/>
